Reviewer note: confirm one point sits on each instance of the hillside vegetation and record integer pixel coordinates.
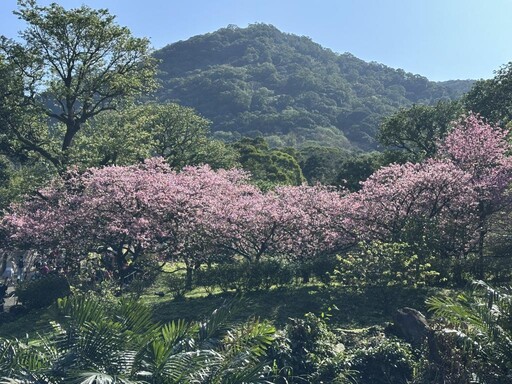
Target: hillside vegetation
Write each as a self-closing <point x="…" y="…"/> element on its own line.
<point x="260" y="81"/>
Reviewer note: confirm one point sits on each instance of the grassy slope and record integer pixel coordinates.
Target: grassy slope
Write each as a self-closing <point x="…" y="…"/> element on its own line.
<point x="347" y="308"/>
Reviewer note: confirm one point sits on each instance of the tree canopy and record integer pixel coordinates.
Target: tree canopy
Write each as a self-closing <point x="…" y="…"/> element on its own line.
<point x="70" y="66"/>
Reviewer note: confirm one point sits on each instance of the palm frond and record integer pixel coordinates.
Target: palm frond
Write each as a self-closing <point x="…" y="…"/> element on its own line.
<point x="136" y="317"/>
<point x="480" y="321"/>
<point x="221" y="320"/>
<point x="101" y="378"/>
<point x="81" y="309"/>
<point x="253" y="337"/>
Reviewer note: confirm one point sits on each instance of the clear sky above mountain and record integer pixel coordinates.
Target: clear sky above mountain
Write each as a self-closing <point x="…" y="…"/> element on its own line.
<point x="440" y="39"/>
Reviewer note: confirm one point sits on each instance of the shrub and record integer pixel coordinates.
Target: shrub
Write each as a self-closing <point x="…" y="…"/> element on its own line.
<point x="384" y="361"/>
<point x="177" y="285"/>
<point x="476" y="331"/>
<point x="243" y="276"/>
<point x="377" y="263"/>
<point x="309" y="351"/>
<point x="42" y="292"/>
<point x="321" y="267"/>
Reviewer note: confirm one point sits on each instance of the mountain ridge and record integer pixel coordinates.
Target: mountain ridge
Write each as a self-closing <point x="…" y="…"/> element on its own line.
<point x="259" y="81"/>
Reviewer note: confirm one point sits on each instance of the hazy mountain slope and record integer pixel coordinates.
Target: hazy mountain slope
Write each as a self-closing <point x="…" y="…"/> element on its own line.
<point x="258" y="80"/>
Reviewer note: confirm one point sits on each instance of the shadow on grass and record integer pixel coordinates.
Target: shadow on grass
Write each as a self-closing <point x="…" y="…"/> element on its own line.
<point x="355" y="308"/>
<point x="26" y="323"/>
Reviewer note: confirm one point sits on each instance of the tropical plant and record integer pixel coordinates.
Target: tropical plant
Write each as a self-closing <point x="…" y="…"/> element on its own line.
<point x="481" y="323"/>
<point x="307" y="351"/>
<point x="95" y="341"/>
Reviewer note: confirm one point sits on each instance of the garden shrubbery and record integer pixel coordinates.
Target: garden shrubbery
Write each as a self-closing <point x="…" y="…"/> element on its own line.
<point x="43" y="291"/>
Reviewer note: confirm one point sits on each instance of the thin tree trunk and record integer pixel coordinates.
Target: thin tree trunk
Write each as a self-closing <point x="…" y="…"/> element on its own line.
<point x="481" y="261"/>
<point x="188" y="278"/>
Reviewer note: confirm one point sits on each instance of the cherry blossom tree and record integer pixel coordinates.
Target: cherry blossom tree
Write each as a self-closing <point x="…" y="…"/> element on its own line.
<point x="444" y="202"/>
<point x="296" y="223"/>
<point x="429" y="205"/>
<point x="481" y="150"/>
<point x="128" y="216"/>
<point x="121" y="213"/>
<point x="316" y="222"/>
<point x="102" y="211"/>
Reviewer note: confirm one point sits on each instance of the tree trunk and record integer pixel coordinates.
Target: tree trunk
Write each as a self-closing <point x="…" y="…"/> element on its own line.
<point x="188" y="278"/>
<point x="72" y="127"/>
<point x="457" y="272"/>
<point x="305" y="276"/>
<point x="481" y="239"/>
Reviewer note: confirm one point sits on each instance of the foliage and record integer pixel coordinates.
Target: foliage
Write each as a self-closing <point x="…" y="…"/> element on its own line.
<point x="117" y="342"/>
<point x="377" y="263"/>
<point x="244" y="276"/>
<point x="491" y="98"/>
<point x="260" y="81"/>
<point x="479" y="322"/>
<point x="358" y="167"/>
<point x="135" y="133"/>
<point x="418" y="129"/>
<point x="383" y="361"/>
<point x="43" y="291"/>
<point x="308" y="351"/>
<point x="268" y="166"/>
<point x="320" y="164"/>
<point x="70" y="66"/>
<point x="18" y="180"/>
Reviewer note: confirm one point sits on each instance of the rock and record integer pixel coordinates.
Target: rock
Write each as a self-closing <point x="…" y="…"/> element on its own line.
<point x="411" y="325"/>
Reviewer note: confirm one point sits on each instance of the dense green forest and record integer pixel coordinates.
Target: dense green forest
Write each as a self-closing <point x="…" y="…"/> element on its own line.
<point x="260" y="81"/>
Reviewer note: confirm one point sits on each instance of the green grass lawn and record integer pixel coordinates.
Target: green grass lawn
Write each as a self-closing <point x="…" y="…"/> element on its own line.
<point x="346" y="307"/>
<point x="23" y="324"/>
<point x="349" y="307"/>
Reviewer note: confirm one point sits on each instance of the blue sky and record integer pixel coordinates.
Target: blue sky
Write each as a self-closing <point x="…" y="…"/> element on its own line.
<point x="439" y="39"/>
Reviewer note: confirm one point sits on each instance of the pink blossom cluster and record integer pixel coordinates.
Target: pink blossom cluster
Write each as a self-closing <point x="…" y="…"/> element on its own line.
<point x="482" y="150"/>
<point x="198" y="214"/>
<point x="447" y="198"/>
<point x="192" y="216"/>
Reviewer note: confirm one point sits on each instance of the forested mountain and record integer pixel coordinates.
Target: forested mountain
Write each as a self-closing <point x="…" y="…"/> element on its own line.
<point x="260" y="81"/>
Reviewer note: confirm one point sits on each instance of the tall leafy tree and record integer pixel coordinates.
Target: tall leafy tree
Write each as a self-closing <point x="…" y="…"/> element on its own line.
<point x="72" y="65"/>
<point x="268" y="166"/>
<point x="417" y="130"/>
<point x="491" y="98"/>
<point x="138" y="132"/>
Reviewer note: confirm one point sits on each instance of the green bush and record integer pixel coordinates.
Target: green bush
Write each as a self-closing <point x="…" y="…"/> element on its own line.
<point x="384" y="264"/>
<point x="384" y="361"/>
<point x="308" y="351"/>
<point x="321" y="267"/>
<point x="177" y="285"/>
<point x="42" y="292"/>
<point x="243" y="276"/>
